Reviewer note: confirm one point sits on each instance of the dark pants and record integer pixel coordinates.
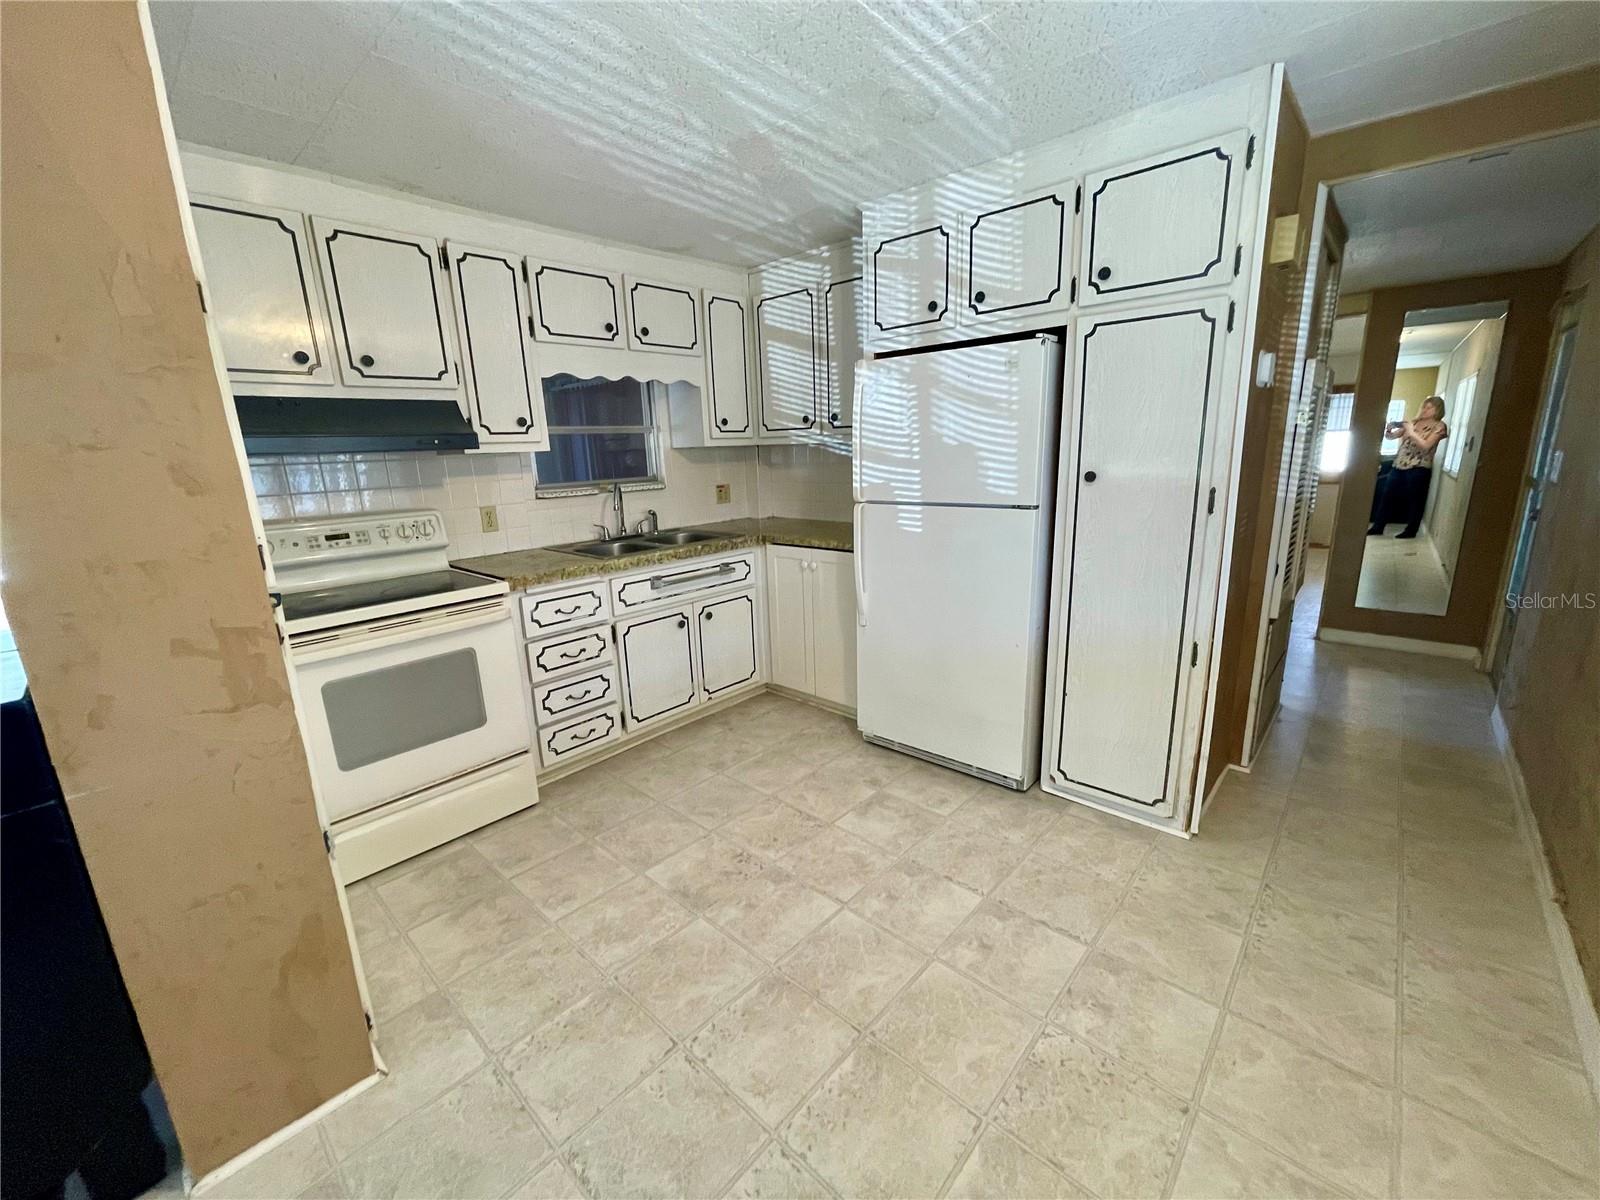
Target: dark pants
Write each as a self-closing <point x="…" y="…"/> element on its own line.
<point x="1405" y="497"/>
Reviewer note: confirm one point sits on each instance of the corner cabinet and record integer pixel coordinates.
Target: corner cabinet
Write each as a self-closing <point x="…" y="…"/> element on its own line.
<point x="786" y="358"/>
<point x="503" y="399"/>
<point x="808" y="313"/>
<point x="387" y="302"/>
<point x="1164" y="224"/>
<point x="841" y="350"/>
<point x="265" y="302"/>
<point x="811" y="602"/>
<point x="579" y="306"/>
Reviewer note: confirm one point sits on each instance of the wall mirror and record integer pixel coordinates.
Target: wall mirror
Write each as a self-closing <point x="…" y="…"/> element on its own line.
<point x="1428" y="457"/>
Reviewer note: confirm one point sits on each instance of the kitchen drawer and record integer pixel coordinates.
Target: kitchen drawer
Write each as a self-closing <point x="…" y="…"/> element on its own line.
<point x="685" y="579"/>
<point x="559" y="701"/>
<point x="558" y="608"/>
<point x="579" y="737"/>
<point x="557" y="656"/>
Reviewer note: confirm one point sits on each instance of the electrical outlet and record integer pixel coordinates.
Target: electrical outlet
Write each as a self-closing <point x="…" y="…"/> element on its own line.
<point x="724" y="494"/>
<point x="490" y="516"/>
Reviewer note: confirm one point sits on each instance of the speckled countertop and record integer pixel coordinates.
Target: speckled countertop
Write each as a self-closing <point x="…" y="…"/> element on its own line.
<point x="524" y="569"/>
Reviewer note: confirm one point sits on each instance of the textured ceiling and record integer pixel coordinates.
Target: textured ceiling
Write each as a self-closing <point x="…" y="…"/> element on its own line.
<point x="740" y="130"/>
<point x="1523" y="207"/>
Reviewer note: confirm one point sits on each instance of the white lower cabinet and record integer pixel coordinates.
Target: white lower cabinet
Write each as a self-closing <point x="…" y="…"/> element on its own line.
<point x="657" y="655"/>
<point x="812" y="604"/>
<point x="728" y="657"/>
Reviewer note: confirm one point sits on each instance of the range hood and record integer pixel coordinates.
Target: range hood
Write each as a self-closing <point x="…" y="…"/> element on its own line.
<point x="334" y="425"/>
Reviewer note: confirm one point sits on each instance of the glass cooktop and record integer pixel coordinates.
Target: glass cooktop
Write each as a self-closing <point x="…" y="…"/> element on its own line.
<point x="348" y="597"/>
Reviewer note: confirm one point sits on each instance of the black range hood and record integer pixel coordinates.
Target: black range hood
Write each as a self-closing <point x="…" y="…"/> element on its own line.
<point x="336" y="425"/>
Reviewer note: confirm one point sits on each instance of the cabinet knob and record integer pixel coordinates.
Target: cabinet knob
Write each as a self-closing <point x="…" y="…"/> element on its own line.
<point x="977" y="297"/>
<point x="933" y="306"/>
<point x="522" y="422"/>
<point x="366" y="360"/>
<point x="1089" y="477"/>
<point x="833" y="418"/>
<point x="1103" y="273"/>
<point x="610" y="328"/>
<point x="707" y="615"/>
<point x="644" y="331"/>
<point x="301" y="357"/>
<point x="807" y="419"/>
<point x="682" y="624"/>
<point x="722" y="420"/>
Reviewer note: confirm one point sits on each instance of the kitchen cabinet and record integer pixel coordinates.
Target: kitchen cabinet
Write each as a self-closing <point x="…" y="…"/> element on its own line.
<point x="657" y="658"/>
<point x="1134" y="520"/>
<point x="786" y="356"/>
<point x="662" y="316"/>
<point x="841" y="351"/>
<point x="388" y="306"/>
<point x="728" y="655"/>
<point x="503" y="399"/>
<point x="811" y="604"/>
<point x="575" y="305"/>
<point x="265" y="303"/>
<point x="1165" y="223"/>
<point x="1018" y="257"/>
<point x="728" y="367"/>
<point x="909" y="268"/>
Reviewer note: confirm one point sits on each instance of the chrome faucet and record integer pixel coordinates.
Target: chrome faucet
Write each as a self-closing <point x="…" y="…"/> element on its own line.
<point x="616" y="508"/>
<point x="649" y="519"/>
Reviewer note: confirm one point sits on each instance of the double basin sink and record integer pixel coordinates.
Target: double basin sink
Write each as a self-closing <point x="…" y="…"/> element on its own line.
<point x="621" y="547"/>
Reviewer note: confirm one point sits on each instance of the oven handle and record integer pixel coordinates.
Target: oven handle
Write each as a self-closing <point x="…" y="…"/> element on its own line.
<point x="319" y="648"/>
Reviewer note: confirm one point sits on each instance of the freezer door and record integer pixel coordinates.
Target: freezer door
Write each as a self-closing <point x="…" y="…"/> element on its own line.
<point x="971" y="425"/>
<point x="950" y="639"/>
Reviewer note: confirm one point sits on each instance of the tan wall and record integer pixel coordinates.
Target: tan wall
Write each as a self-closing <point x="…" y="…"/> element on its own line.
<point x="1414" y="385"/>
<point x="145" y="627"/>
<point x="1498" y="481"/>
<point x="1551" y="691"/>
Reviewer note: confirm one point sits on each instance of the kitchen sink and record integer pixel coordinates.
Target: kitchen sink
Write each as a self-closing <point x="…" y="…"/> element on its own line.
<point x="610" y="549"/>
<point x="681" y="537"/>
<point x="638" y="543"/>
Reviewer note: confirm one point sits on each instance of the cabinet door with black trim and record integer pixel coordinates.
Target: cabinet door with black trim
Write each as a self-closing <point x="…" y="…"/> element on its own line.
<point x="658" y="677"/>
<point x="387" y="304"/>
<point x="911" y="265"/>
<point x="265" y="303"/>
<point x="662" y="316"/>
<point x="728" y="653"/>
<point x="786" y="360"/>
<point x="576" y="305"/>
<point x="1018" y="257"/>
<point x="841" y="350"/>
<point x="1164" y="223"/>
<point x="728" y="414"/>
<point x="503" y="400"/>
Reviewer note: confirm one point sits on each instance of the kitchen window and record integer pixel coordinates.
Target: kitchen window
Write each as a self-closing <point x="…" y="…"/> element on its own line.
<point x="602" y="431"/>
<point x="1336" y="435"/>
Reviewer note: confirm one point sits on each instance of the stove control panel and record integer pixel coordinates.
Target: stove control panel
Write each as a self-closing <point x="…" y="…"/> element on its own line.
<point x="356" y="536"/>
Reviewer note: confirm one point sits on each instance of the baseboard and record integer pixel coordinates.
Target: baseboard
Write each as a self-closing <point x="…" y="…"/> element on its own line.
<point x="814" y="701"/>
<point x="1384" y="641"/>
<point x="238" y="1162"/>
<point x="1585" y="1019"/>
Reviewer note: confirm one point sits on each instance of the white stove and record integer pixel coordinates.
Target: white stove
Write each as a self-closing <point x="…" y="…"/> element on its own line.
<point x="409" y="683"/>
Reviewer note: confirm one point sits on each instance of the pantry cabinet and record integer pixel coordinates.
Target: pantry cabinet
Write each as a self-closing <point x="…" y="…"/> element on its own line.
<point x="657" y="657"/>
<point x="503" y="399"/>
<point x="786" y="355"/>
<point x="728" y="656"/>
<point x="812" y="622"/>
<point x="1165" y="223"/>
<point x="388" y="307"/>
<point x="576" y="305"/>
<point x="1017" y="256"/>
<point x="264" y="299"/>
<point x="662" y="316"/>
<point x="840" y="350"/>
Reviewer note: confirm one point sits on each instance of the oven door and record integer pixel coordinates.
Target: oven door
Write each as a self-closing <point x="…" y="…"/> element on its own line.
<point x="399" y="706"/>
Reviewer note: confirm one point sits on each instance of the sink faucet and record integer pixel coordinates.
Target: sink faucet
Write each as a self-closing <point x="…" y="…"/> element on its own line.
<point x="616" y="508"/>
<point x="649" y="519"/>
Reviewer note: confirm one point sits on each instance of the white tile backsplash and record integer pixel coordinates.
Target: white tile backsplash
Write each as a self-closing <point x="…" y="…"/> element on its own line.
<point x="804" y="481"/>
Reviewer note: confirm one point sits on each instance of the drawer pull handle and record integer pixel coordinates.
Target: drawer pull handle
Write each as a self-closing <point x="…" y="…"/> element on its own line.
<point x="569" y="612"/>
<point x="576" y="696"/>
<point x="565" y="657"/>
<point x="657" y="582"/>
<point x="578" y="741"/>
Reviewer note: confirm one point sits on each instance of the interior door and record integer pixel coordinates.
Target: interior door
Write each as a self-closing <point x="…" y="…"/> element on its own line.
<point x="786" y="355"/>
<point x="833" y="627"/>
<point x="1163" y="224"/>
<point x="662" y="316"/>
<point x="1018" y="257"/>
<point x="911" y="279"/>
<point x="575" y="305"/>
<point x="503" y="397"/>
<point x="841" y="350"/>
<point x="789" y="617"/>
<point x="727" y="630"/>
<point x="657" y="665"/>
<point x="268" y="312"/>
<point x="728" y="365"/>
<point x="388" y="309"/>
<point x="1133" y="497"/>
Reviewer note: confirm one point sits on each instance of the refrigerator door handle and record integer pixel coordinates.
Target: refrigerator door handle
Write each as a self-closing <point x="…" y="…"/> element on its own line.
<point x="856" y="564"/>
<point x="859" y="390"/>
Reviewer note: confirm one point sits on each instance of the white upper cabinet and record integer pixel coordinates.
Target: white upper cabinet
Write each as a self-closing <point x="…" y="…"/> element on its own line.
<point x="662" y="316"/>
<point x="1164" y="223"/>
<point x="264" y="298"/>
<point x="504" y="403"/>
<point x="728" y="366"/>
<point x="841" y="350"/>
<point x="576" y="305"/>
<point x="1018" y="256"/>
<point x="911" y="265"/>
<point x="786" y="355"/>
<point x="387" y="302"/>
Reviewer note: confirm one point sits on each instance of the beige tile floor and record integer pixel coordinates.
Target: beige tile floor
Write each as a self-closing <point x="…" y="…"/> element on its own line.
<point x="759" y="958"/>
<point x="1402" y="575"/>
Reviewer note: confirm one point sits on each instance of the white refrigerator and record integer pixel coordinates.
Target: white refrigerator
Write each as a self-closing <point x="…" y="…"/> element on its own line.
<point x="953" y="471"/>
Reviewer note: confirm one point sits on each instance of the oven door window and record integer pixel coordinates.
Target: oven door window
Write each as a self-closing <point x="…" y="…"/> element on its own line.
<point x="395" y="709"/>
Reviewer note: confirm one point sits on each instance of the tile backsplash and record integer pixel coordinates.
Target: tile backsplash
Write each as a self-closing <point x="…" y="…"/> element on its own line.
<point x="804" y="481"/>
